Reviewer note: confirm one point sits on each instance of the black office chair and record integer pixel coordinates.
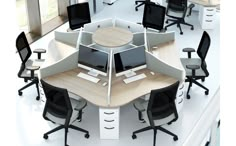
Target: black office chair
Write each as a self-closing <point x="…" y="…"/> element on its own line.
<point x="177" y="9"/>
<point x="161" y="110"/>
<point x="60" y="109"/>
<point x="27" y="64"/>
<point x="196" y="68"/>
<point x="153" y="16"/>
<point x="78" y="15"/>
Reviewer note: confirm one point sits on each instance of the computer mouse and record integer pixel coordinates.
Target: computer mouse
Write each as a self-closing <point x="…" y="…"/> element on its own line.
<point x="151" y="72"/>
<point x="104" y="84"/>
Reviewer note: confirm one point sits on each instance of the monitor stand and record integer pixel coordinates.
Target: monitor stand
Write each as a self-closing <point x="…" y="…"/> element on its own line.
<point x="130" y="74"/>
<point x="93" y="73"/>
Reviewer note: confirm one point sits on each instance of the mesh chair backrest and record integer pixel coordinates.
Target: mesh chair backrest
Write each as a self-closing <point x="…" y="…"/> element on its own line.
<point x="204" y="46"/>
<point x="162" y="103"/>
<point x="177" y="5"/>
<point x="57" y="102"/>
<point x="23" y="47"/>
<point x="78" y="15"/>
<point x="153" y="16"/>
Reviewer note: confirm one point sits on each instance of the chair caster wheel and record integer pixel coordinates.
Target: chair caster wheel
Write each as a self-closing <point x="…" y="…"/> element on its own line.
<point x="134" y="136"/>
<point x="136" y="2"/>
<point x="142" y="121"/>
<point x="169" y="123"/>
<point x="192" y="28"/>
<point x="206" y="92"/>
<point x="165" y="28"/>
<point x="136" y="9"/>
<point x="203" y="80"/>
<point x="167" y="22"/>
<point x="181" y="33"/>
<point x="188" y="96"/>
<point x="86" y="135"/>
<point x="175" y="138"/>
<point x="19" y="93"/>
<point x="38" y="97"/>
<point x="45" y="136"/>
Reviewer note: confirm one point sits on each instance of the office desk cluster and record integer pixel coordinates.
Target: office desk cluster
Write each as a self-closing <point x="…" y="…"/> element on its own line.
<point x="61" y="67"/>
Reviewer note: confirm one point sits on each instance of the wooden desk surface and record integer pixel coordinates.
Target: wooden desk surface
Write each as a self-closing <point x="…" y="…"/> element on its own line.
<point x="112" y="37"/>
<point x="168" y="53"/>
<point x="93" y="92"/>
<point x="206" y="2"/>
<point x="121" y="93"/>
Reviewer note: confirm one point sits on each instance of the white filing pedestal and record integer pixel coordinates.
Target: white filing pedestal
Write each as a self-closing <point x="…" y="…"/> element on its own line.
<point x="179" y="102"/>
<point x="207" y="17"/>
<point x="109" y="123"/>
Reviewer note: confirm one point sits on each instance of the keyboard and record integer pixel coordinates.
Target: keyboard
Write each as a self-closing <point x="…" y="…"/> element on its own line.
<point x="134" y="78"/>
<point x="88" y="77"/>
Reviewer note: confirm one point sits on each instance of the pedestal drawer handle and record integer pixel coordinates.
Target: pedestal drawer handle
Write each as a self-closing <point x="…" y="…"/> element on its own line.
<point x="181" y="87"/>
<point x="210" y="9"/>
<point x="180" y="101"/>
<point x="109" y="128"/>
<point x="209" y="15"/>
<point x="208" y="20"/>
<point x="108" y="113"/>
<point x="181" y="94"/>
<point x="109" y="120"/>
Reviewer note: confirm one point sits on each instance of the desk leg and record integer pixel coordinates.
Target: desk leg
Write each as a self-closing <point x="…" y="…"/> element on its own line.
<point x="109" y="123"/>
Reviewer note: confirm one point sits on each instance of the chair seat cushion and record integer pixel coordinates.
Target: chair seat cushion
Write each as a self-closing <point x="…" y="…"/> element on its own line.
<point x="193" y="61"/>
<point x="174" y="14"/>
<point x="31" y="62"/>
<point x="74" y="115"/>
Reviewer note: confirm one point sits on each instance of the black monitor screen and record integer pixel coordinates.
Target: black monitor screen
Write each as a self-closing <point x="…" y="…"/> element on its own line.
<point x="154" y="16"/>
<point x="93" y="58"/>
<point x="78" y="15"/>
<point x="130" y="59"/>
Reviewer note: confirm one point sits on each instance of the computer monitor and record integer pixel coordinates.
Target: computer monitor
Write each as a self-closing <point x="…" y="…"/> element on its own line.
<point x="128" y="61"/>
<point x="78" y="15"/>
<point x="93" y="60"/>
<point x="153" y="16"/>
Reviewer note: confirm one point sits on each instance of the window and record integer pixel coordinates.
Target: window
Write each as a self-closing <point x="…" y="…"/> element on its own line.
<point x="22" y="17"/>
<point x="48" y="10"/>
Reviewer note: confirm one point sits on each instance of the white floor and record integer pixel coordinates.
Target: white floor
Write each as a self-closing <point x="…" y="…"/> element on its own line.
<point x="30" y="125"/>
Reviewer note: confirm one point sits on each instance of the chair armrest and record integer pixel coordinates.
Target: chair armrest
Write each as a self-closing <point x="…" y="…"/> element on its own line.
<point x="193" y="68"/>
<point x="32" y="69"/>
<point x="189" y="51"/>
<point x="139" y="106"/>
<point x="191" y="6"/>
<point x="39" y="51"/>
<point x="80" y="105"/>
